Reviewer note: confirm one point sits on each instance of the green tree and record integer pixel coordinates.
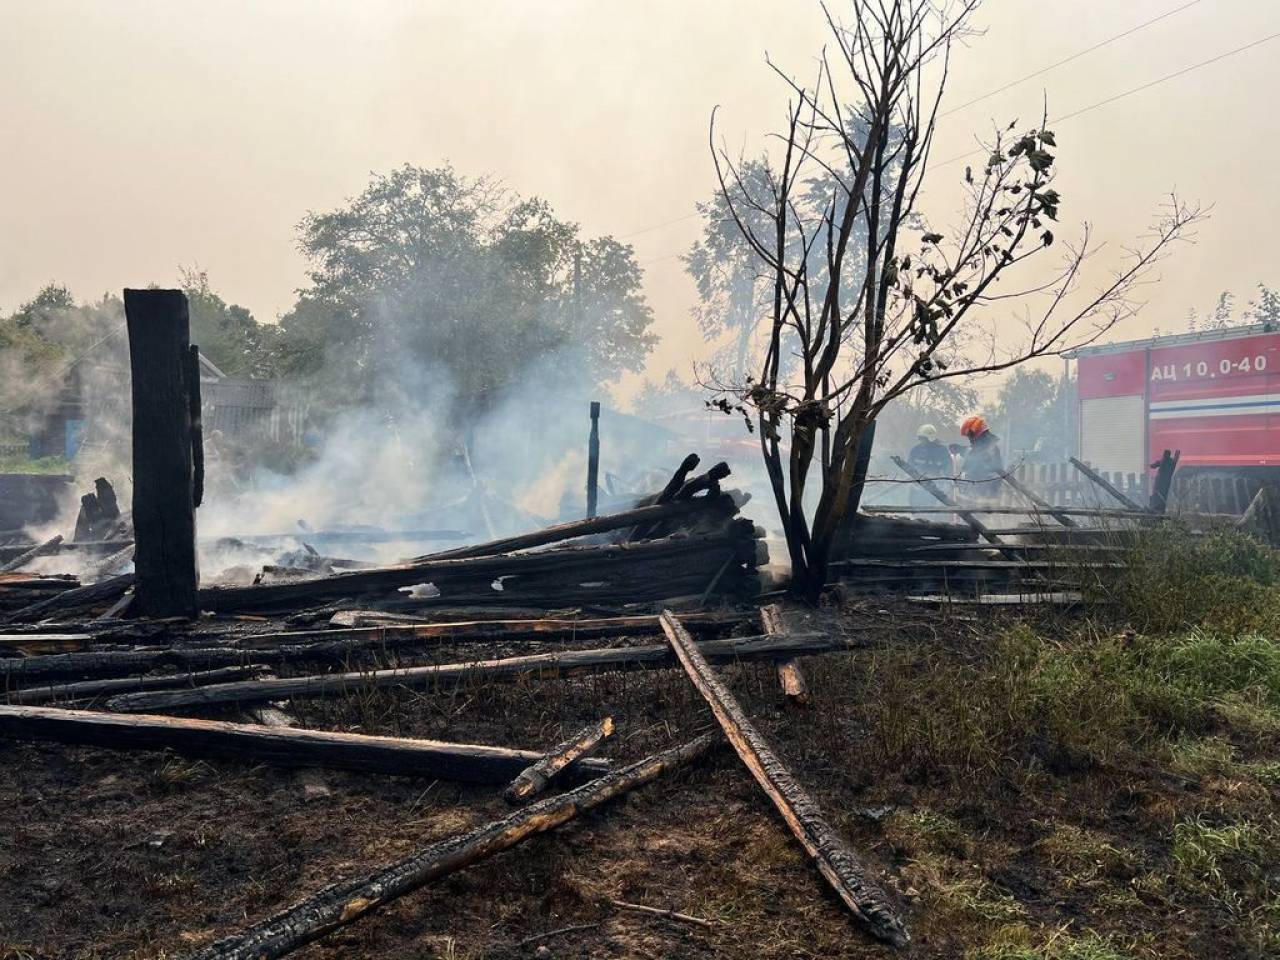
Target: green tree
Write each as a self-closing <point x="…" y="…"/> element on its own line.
<point x="428" y="272"/>
<point x="227" y="333"/>
<point x="1030" y="416"/>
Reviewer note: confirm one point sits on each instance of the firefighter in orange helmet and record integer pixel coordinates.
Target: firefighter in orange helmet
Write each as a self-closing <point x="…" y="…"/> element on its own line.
<point x="983" y="462"/>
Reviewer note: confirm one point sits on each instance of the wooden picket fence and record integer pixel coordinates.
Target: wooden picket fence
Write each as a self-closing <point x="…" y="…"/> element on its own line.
<point x="1062" y="485"/>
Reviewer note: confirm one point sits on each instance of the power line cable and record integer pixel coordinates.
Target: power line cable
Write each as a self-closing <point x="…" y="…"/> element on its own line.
<point x="1075" y="56"/>
<point x="1138" y="89"/>
<point x="968" y="103"/>
<point x="1101" y="103"/>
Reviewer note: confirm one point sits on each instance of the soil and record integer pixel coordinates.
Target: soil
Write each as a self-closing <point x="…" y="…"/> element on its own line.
<point x="148" y="855"/>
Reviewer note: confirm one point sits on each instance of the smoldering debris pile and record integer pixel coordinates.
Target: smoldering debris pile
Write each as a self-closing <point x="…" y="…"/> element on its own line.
<point x="592" y="596"/>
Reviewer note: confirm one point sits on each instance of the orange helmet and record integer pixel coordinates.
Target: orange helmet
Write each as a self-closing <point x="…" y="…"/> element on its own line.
<point x="973" y="427"/>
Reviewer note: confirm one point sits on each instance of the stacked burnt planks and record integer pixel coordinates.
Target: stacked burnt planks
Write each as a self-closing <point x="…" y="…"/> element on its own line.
<point x="884" y="553"/>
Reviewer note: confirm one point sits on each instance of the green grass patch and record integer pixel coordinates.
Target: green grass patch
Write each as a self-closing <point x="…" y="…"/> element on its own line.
<point x="44" y="465"/>
<point x="1059" y="946"/>
<point x="1174" y="580"/>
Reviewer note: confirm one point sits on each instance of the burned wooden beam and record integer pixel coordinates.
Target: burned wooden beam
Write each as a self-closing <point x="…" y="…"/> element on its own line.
<point x="104" y="663"/>
<point x="560" y="664"/>
<point x="665" y="495"/>
<point x="581" y="528"/>
<point x="1038" y="501"/>
<point x="275" y="746"/>
<point x="549" y="628"/>
<point x="164" y="515"/>
<point x="569" y="575"/>
<point x="91" y="689"/>
<point x="39" y="550"/>
<point x="533" y="780"/>
<point x="343" y="903"/>
<point x="832" y="856"/>
<point x="932" y="489"/>
<point x="73" y="602"/>
<point x="330" y="645"/>
<point x="790" y="677"/>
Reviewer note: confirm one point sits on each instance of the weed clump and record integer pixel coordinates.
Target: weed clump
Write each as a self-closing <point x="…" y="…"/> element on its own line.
<point x="1175" y="579"/>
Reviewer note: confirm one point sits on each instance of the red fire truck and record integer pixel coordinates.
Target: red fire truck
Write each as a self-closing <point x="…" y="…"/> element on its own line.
<point x="1214" y="395"/>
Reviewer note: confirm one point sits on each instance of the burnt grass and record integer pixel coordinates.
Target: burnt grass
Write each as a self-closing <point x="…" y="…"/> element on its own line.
<point x="1018" y="794"/>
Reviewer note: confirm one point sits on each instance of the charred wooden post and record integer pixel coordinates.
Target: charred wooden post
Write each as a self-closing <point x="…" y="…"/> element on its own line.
<point x="275" y="746"/>
<point x="1164" y="468"/>
<point x="39" y="550"/>
<point x="164" y="517"/>
<point x="535" y="779"/>
<point x="790" y="677"/>
<point x="106" y="663"/>
<point x="705" y="481"/>
<point x="99" y="517"/>
<point x="1103" y="483"/>
<point x="197" y="425"/>
<point x="343" y="903"/>
<point x="665" y="495"/>
<point x="835" y="861"/>
<point x="593" y="461"/>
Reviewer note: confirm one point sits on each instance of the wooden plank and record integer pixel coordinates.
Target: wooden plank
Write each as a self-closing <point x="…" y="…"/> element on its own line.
<point x="164" y="515"/>
<point x="561" y="663"/>
<point x="620" y="566"/>
<point x="1038" y="501"/>
<point x="73" y="602"/>
<point x="91" y="689"/>
<point x="790" y="677"/>
<point x="829" y="852"/>
<point x="966" y="515"/>
<point x="592" y="525"/>
<point x="880" y="509"/>
<point x="533" y="780"/>
<point x="347" y="901"/>
<point x="547" y="628"/>
<point x="39" y="550"/>
<point x="909" y="563"/>
<point x="104" y="663"/>
<point x="277" y="746"/>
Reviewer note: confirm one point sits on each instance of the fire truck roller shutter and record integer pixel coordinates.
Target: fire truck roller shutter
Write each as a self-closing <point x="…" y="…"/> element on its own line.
<point x="1113" y="433"/>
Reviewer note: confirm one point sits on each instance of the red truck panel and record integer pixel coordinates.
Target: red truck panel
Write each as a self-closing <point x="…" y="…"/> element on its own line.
<point x="1112" y="375"/>
<point x="1216" y="400"/>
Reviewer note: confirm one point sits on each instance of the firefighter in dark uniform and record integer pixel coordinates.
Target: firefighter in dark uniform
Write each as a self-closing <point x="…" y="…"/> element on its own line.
<point x="931" y="459"/>
<point x="983" y="462"/>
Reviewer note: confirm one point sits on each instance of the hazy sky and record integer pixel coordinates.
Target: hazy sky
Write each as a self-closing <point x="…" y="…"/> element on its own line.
<point x="137" y="136"/>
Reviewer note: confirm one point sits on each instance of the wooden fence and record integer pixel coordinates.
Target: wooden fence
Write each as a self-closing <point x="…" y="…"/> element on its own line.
<point x="1062" y="485"/>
